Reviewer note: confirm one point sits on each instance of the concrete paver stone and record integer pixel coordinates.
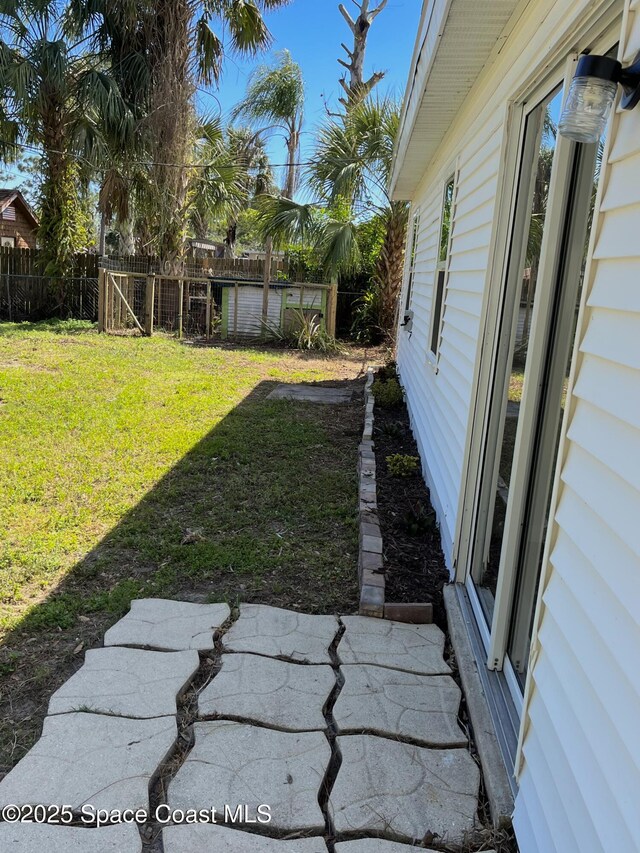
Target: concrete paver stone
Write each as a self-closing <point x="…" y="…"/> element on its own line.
<point x="233" y="763"/>
<point x="398" y="645"/>
<point x="103" y="761"/>
<point x="274" y="692"/>
<point x="174" y="625"/>
<point x="376" y="845"/>
<point x="275" y="632"/>
<point x="311" y="394"/>
<point x="47" y="838"/>
<point x="392" y="702"/>
<point x="213" y="838"/>
<point x="407" y="791"/>
<point x="127" y="682"/>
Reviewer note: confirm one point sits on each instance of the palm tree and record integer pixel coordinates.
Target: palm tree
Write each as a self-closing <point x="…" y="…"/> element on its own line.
<point x="54" y="96"/>
<point x="351" y="166"/>
<point x="247" y="148"/>
<point x="219" y="184"/>
<point x="164" y="49"/>
<point x="275" y="100"/>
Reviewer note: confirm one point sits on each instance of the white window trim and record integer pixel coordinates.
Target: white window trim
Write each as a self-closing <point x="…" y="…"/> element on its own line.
<point x="410" y="268"/>
<point x="433" y="357"/>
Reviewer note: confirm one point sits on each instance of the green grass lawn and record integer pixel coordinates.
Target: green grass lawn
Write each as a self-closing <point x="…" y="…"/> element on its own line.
<point x="143" y="467"/>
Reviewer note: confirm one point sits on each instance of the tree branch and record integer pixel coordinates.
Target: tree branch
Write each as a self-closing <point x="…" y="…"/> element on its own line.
<point x="375" y="12"/>
<point x="348" y="18"/>
<point x="346" y="49"/>
<point x="346" y="65"/>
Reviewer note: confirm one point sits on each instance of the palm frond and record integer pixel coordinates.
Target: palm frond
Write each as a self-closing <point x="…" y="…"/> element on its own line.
<point x="285" y="221"/>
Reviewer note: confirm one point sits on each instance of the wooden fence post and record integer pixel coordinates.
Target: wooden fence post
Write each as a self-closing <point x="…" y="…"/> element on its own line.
<point x="332" y="307"/>
<point x="266" y="278"/>
<point x="149" y="303"/>
<point x="101" y="300"/>
<point x="207" y="318"/>
<point x="180" y="306"/>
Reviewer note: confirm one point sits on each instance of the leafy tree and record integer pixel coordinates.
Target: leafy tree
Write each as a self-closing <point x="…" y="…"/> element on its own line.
<point x="161" y="50"/>
<point x="247" y="148"/>
<point x="352" y="163"/>
<point x="275" y="100"/>
<point x="54" y="95"/>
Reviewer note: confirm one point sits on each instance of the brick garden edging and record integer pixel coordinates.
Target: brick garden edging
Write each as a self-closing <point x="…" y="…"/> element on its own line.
<point x="370" y="559"/>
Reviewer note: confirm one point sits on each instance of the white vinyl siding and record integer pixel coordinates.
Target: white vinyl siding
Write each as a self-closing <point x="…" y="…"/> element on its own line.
<point x="580" y="773"/>
<point x="439" y="401"/>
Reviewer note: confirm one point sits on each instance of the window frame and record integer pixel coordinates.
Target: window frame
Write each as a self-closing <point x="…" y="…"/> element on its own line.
<point x="411" y="261"/>
<point x="441" y="272"/>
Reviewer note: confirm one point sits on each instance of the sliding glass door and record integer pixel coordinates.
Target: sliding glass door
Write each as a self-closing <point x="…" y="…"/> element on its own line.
<point x="530" y="368"/>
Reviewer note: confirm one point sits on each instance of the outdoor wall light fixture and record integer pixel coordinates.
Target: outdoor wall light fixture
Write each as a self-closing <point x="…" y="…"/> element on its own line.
<point x="591" y="95"/>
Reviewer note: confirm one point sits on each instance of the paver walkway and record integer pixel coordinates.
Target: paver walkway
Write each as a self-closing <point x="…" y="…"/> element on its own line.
<point x="299" y="733"/>
<point x="311" y="394"/>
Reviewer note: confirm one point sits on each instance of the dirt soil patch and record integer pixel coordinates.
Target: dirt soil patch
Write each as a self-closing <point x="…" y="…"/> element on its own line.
<point x="413" y="559"/>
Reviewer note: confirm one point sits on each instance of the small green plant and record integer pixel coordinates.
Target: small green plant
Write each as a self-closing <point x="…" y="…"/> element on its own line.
<point x="388" y="395"/>
<point x="392" y="430"/>
<point x="387" y="372"/>
<point x="305" y="332"/>
<point x="400" y="465"/>
<point x="419" y="521"/>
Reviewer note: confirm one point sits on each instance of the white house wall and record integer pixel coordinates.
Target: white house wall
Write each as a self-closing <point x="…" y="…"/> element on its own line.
<point x="580" y="772"/>
<point x="439" y="401"/>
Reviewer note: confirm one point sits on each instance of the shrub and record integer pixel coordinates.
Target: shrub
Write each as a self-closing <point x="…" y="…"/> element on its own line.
<point x="306" y="332"/>
<point x="388" y="394"/>
<point x="402" y="466"/>
<point x="387" y="372"/>
<point x="419" y="521"/>
<point x="393" y="429"/>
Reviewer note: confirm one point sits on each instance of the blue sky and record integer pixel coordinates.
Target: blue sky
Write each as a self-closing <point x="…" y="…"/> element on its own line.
<point x="312" y="31"/>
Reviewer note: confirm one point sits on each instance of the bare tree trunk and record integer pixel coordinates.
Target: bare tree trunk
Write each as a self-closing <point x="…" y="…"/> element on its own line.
<point x="171" y="124"/>
<point x="125" y="235"/>
<point x="102" y="241"/>
<point x="390" y="266"/>
<point x="293" y="145"/>
<point x="357" y="88"/>
<point x="230" y="240"/>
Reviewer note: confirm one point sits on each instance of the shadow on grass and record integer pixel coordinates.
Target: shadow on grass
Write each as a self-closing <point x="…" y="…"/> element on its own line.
<point x="262" y="509"/>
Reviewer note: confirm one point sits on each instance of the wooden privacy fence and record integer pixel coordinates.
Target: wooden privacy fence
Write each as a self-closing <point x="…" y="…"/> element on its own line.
<point x="204" y="307"/>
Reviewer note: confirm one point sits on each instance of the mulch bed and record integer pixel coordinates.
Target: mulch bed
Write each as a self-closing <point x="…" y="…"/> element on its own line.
<point x="414" y="564"/>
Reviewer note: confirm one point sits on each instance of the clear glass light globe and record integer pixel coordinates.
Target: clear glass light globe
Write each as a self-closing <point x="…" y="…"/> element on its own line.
<point x="586" y="109"/>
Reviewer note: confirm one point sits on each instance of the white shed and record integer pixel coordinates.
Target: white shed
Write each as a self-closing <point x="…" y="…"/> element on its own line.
<point x="519" y="350"/>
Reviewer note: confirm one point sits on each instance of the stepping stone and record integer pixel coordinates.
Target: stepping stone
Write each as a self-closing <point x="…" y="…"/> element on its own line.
<point x="311" y="394"/>
<point x="277" y="693"/>
<point x="377" y="845"/>
<point x="233" y="763"/>
<point x="400" y="704"/>
<point x="397" y="645"/>
<point x="127" y="683"/>
<point x="275" y="632"/>
<point x="212" y="838"/>
<point x="408" y="791"/>
<point x="156" y="623"/>
<point x="89" y="758"/>
<point x="35" y="837"/>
